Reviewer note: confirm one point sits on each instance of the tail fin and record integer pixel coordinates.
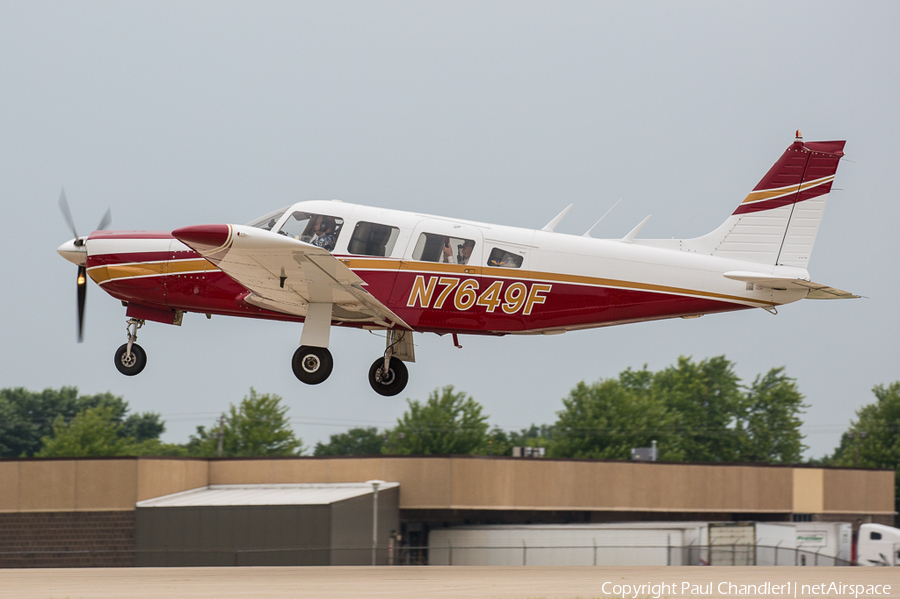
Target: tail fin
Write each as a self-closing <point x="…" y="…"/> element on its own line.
<point x="778" y="222"/>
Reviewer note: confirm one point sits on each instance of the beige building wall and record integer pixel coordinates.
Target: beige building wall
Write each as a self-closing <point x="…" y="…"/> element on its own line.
<point x="60" y="485"/>
<point x="468" y="483"/>
<point x="809" y="490"/>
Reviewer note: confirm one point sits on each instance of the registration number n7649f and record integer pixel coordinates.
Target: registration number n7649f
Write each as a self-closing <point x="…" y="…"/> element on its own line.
<point x="462" y="294"/>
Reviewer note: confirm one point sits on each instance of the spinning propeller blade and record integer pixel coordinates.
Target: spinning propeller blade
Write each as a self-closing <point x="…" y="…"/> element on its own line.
<point x="79" y="242"/>
<point x="82" y="294"/>
<point x="67" y="214"/>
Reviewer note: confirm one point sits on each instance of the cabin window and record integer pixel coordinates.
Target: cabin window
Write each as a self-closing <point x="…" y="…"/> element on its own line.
<point x="317" y="229"/>
<point x="432" y="247"/>
<point x="268" y="221"/>
<point x="875" y="536"/>
<point x="505" y="259"/>
<point x="372" y="239"/>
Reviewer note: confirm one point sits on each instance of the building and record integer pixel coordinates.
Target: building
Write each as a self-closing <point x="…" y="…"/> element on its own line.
<point x="84" y="511"/>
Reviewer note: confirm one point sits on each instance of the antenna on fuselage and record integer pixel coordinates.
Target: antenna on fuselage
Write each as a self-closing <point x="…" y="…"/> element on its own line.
<point x="552" y="224"/>
<point x="631" y="234"/>
<point x="588" y="232"/>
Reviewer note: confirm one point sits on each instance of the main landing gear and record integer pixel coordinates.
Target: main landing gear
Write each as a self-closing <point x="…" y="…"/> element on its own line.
<point x="312" y="365"/>
<point x="387" y="376"/>
<point x="131" y="357"/>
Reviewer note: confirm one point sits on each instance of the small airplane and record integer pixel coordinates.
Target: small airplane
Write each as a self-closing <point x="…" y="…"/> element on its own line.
<point x="329" y="263"/>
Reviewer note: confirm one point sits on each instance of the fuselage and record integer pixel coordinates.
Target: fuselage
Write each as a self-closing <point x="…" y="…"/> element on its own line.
<point x="514" y="281"/>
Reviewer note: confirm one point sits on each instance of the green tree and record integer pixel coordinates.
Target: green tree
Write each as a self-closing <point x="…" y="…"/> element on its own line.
<point x="257" y="427"/>
<point x="873" y="439"/>
<point x="356" y="441"/>
<point x="26" y="417"/>
<point x="93" y="432"/>
<point x="143" y="427"/>
<point x="705" y="399"/>
<point x="447" y="423"/>
<point x="501" y="442"/>
<point x="607" y="419"/>
<point x="769" y="423"/>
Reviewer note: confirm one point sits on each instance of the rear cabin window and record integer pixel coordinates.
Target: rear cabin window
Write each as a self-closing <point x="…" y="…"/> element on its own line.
<point x="875" y="536"/>
<point x="372" y="239"/>
<point x="432" y="247"/>
<point x="318" y="229"/>
<point x="505" y="259"/>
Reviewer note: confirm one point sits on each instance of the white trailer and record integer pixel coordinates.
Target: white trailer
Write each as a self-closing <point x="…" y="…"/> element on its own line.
<point x="642" y="544"/>
<point x="636" y="544"/>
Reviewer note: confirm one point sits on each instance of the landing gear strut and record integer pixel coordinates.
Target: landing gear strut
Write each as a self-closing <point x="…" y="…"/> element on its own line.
<point x="312" y="365"/>
<point x="131" y="358"/>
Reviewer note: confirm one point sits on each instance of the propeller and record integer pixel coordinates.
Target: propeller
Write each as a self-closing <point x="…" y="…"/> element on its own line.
<point x="78" y="243"/>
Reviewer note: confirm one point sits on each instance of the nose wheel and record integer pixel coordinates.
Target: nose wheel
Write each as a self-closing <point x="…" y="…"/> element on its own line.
<point x="312" y="365"/>
<point x="133" y="362"/>
<point x="130" y="357"/>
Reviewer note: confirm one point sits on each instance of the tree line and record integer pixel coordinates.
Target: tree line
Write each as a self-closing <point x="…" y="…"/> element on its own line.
<point x="696" y="411"/>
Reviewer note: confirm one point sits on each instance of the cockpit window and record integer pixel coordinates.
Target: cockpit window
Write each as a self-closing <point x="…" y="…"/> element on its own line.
<point x="268" y="221"/>
<point x="318" y="229"/>
<point x="505" y="259"/>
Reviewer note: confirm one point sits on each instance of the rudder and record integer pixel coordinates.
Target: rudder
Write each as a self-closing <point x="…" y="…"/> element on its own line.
<point x="778" y="221"/>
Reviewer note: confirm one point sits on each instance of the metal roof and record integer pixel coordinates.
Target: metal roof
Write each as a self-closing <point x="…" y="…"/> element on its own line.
<point x="243" y="495"/>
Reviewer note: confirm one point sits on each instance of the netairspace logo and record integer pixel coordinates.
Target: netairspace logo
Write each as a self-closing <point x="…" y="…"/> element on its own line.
<point x="787" y="589"/>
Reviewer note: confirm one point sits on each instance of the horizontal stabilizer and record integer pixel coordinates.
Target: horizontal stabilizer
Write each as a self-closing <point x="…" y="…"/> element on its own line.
<point x="816" y="291"/>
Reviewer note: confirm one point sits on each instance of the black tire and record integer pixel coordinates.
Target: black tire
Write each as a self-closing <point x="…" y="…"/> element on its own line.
<point x="312" y="365"/>
<point x="394" y="382"/>
<point x="133" y="364"/>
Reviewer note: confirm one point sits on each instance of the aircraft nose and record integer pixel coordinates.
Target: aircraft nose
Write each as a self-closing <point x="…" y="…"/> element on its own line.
<point x="76" y="254"/>
<point x="204" y="239"/>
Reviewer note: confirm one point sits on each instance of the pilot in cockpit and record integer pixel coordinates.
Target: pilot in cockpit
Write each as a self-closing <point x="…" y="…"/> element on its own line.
<point x="325" y="236"/>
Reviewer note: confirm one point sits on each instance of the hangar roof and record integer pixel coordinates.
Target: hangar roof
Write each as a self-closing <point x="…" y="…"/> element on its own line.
<point x="241" y="495"/>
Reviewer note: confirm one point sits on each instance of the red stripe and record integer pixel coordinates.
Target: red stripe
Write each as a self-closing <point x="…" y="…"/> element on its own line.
<point x="129" y="258"/>
<point x="131" y="235"/>
<point x="806" y="194"/>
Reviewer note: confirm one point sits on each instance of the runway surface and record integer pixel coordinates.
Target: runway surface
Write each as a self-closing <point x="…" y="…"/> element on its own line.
<point x="446" y="582"/>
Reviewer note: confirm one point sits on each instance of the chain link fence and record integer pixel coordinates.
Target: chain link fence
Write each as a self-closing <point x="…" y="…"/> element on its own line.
<point x="520" y="555"/>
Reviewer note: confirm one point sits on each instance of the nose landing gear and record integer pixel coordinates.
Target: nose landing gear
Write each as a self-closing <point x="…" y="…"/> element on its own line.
<point x="131" y="358"/>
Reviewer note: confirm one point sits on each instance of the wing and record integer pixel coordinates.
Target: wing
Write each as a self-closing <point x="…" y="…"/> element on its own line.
<point x="286" y="275"/>
<point x="815" y="290"/>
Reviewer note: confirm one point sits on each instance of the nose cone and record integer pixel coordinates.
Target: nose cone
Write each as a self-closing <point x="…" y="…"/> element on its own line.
<point x="204" y="239"/>
<point x="74" y="251"/>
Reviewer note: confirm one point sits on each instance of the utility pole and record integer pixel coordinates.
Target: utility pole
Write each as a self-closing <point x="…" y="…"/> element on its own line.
<point x="221" y="434"/>
<point x="375" y="484"/>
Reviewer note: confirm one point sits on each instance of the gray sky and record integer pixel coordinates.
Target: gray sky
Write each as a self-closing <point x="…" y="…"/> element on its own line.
<point x="175" y="113"/>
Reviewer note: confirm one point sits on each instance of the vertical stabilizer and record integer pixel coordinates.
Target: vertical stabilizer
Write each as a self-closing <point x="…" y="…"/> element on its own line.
<point x="778" y="221"/>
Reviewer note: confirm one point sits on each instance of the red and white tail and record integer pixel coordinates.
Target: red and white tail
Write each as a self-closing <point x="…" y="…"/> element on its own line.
<point x="778" y="222"/>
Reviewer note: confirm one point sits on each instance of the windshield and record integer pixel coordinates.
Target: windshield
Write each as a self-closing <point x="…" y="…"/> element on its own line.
<point x="268" y="221"/>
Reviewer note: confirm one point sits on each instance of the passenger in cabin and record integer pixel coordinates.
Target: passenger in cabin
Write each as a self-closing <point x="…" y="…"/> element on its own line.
<point x="447" y="252"/>
<point x="465" y="251"/>
<point x="325" y="236"/>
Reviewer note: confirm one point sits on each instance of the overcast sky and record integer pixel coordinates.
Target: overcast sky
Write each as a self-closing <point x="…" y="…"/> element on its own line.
<point x="176" y="113"/>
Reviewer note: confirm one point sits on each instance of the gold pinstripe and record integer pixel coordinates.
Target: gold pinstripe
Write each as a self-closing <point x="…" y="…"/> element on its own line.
<point x="768" y="194"/>
<point x="106" y="273"/>
<point x="531" y="275"/>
